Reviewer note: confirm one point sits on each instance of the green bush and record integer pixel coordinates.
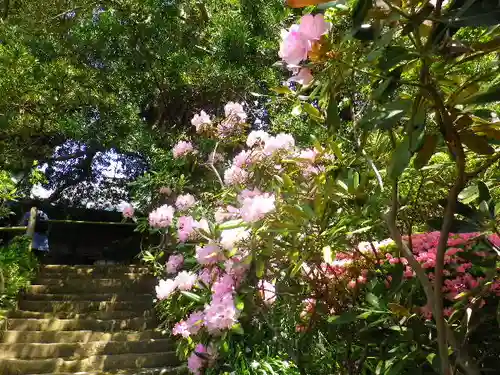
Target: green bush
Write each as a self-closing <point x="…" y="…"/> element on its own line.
<point x="17" y="268"/>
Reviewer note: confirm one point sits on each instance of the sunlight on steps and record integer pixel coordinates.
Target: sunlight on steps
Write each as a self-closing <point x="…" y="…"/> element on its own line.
<point x="87" y="320"/>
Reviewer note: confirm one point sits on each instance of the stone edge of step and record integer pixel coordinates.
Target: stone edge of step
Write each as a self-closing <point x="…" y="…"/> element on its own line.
<point x="145" y="371"/>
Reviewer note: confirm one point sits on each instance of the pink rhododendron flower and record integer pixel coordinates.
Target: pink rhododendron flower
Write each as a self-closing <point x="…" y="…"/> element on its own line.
<point x="236" y="269"/>
<point x="195" y="362"/>
<point x="351" y="284"/>
<point x="294" y="46"/>
<point x="281" y="142"/>
<point x="162" y="216"/>
<point x="174" y="263"/>
<point x="128" y="211"/>
<point x="313" y="27"/>
<point x="310" y="156"/>
<point x="242" y="159"/>
<point x="235" y="175"/>
<point x="181" y="329"/>
<point x="267" y="292"/>
<point x="209" y="254"/>
<point x="247" y="193"/>
<point x="221" y="314"/>
<point x="208" y="275"/>
<point x="182" y="148"/>
<point x="202" y="225"/>
<point x="165" y="288"/>
<point x="184" y="202"/>
<point x="194" y="322"/>
<point x="256" y="208"/>
<point x="185" y="280"/>
<point x="235" y="109"/>
<point x="257" y="137"/>
<point x="185" y="228"/>
<point x="224" y="285"/>
<point x="228" y="213"/>
<point x="201" y="121"/>
<point x="230" y="237"/>
<point x="426" y="312"/>
<point x="303" y="77"/>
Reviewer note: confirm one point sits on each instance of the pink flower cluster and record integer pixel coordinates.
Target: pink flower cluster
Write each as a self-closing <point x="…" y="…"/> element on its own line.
<point x="201" y="121"/>
<point x="235" y="117"/>
<point x="196" y="362"/>
<point x="183" y="281"/>
<point x="297" y="42"/>
<point x="182" y="148"/>
<point x="174" y="263"/>
<point x="185" y="202"/>
<point x="188" y="228"/>
<point x="128" y="211"/>
<point x="255" y="208"/>
<point x="162" y="216"/>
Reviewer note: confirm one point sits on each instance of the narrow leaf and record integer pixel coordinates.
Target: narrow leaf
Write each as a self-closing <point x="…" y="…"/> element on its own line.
<point x="427" y="150"/>
<point x="400" y="159"/>
<point x="345" y="318"/>
<point x="360" y="11"/>
<point x="476" y="143"/>
<point x="492" y="94"/>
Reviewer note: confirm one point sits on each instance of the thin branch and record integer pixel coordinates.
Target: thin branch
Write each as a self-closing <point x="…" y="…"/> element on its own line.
<point x="456" y="149"/>
<point x="212" y="166"/>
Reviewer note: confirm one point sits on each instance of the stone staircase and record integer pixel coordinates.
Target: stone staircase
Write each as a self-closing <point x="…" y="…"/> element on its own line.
<point x="90" y="320"/>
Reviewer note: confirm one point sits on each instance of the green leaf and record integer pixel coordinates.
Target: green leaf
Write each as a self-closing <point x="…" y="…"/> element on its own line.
<point x="400" y="159"/>
<point x="457" y="226"/>
<point x="426" y="151"/>
<point x="232" y="224"/>
<point x="260" y="268"/>
<point x="386" y="116"/>
<point x="282" y="90"/>
<point x="484" y="192"/>
<point x="312" y="111"/>
<point x="394" y="55"/>
<point x="476" y="143"/>
<point x="461" y="209"/>
<point x="360" y="11"/>
<point x="373" y="300"/>
<point x="238" y="329"/>
<point x="492" y="94"/>
<point x="191" y="296"/>
<point x="345" y="318"/>
<point x="332" y="114"/>
<point x="478" y="13"/>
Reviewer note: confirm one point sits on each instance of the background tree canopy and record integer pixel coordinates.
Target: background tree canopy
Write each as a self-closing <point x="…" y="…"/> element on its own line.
<point x="125" y="75"/>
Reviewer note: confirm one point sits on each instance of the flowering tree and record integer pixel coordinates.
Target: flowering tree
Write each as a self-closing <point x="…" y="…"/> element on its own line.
<point x="280" y="267"/>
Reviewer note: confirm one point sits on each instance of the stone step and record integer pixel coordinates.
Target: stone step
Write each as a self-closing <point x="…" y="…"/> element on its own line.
<point x="143" y="284"/>
<point x="18" y="337"/>
<point x="180" y="370"/>
<point x="118" y="297"/>
<point x="100" y="271"/>
<point x="84" y="306"/>
<point x="102" y="315"/>
<point x="92" y="363"/>
<point x="82" y="350"/>
<point x="135" y="324"/>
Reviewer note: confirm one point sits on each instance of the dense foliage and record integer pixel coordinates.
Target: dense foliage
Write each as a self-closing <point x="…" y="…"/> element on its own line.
<point x="280" y="263"/>
<point x="17" y="268"/>
<point x="79" y="79"/>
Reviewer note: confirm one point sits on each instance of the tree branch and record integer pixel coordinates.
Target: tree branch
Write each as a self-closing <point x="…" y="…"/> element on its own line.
<point x="6" y="5"/>
<point x="456" y="149"/>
